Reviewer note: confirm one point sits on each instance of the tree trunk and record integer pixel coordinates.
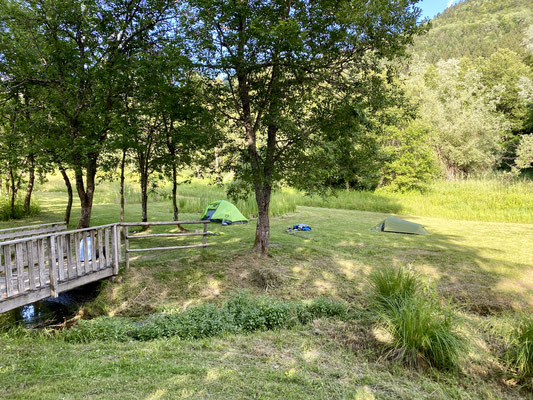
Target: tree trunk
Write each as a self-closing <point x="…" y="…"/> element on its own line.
<point x="122" y="179"/>
<point x="86" y="194"/>
<point x="144" y="195"/>
<point x="175" y="208"/>
<point x="69" y="191"/>
<point x="13" y="193"/>
<point x="175" y="192"/>
<point x="217" y="166"/>
<point x="31" y="182"/>
<point x="198" y="173"/>
<point x="262" y="232"/>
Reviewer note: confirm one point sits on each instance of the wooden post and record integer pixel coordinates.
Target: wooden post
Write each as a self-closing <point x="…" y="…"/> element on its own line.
<point x="85" y="253"/>
<point x="60" y="257"/>
<point x="119" y="242"/>
<point x="127" y="246"/>
<point x="77" y="254"/>
<point x="19" y="260"/>
<point x="53" y="267"/>
<point x="31" y="264"/>
<point x="116" y="249"/>
<point x="107" y="249"/>
<point x="71" y="267"/>
<point x="94" y="265"/>
<point x="101" y="257"/>
<point x="42" y="262"/>
<point x="9" y="271"/>
<point x="204" y="237"/>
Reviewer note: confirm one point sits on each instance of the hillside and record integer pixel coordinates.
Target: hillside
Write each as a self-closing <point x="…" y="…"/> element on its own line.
<point x="474" y="28"/>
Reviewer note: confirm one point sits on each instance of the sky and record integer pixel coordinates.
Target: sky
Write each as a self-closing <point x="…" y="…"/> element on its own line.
<point x="431" y="8"/>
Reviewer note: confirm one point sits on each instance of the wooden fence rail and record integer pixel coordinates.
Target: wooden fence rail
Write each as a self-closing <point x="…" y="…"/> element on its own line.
<point x="48" y="263"/>
<point x="127" y="236"/>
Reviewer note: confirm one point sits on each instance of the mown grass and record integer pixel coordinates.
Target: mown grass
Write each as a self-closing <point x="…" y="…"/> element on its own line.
<point x="483" y="268"/>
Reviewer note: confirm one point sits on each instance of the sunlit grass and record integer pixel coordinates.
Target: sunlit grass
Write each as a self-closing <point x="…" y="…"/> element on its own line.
<point x="490" y="199"/>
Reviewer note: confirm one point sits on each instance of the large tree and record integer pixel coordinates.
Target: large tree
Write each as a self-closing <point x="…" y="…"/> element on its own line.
<point x="284" y="63"/>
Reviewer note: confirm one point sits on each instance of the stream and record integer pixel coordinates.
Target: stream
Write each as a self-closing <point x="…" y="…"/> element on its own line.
<point x="51" y="311"/>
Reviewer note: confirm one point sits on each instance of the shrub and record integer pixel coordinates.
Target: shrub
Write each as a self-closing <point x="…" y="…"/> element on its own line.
<point x="519" y="355"/>
<point x="327" y="307"/>
<point x="103" y="328"/>
<point x="240" y="314"/>
<point x="19" y="212"/>
<point x="421" y="329"/>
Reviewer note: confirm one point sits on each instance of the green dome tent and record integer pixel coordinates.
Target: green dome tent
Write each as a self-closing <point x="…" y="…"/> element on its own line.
<point x="397" y="225"/>
<point x="223" y="211"/>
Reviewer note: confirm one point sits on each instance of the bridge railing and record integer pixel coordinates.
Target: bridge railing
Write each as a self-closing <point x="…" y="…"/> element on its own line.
<point x="31" y="230"/>
<point x="44" y="265"/>
<point x="33" y="268"/>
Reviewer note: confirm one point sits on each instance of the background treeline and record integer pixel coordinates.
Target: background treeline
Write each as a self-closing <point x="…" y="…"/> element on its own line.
<point x="472" y="78"/>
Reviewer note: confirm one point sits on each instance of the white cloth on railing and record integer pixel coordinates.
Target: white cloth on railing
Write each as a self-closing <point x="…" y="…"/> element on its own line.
<point x="89" y="250"/>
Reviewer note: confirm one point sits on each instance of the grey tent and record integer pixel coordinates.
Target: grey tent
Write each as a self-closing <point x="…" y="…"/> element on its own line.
<point x="397" y="225"/>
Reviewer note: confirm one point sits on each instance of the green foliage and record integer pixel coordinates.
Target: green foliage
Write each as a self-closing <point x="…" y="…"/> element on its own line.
<point x="524" y="152"/>
<point x="240" y="314"/>
<point x="476" y="28"/>
<point x="467" y="130"/>
<point x="422" y="331"/>
<point x="411" y="162"/>
<point x="19" y="211"/>
<point x="103" y="329"/>
<point x="519" y="355"/>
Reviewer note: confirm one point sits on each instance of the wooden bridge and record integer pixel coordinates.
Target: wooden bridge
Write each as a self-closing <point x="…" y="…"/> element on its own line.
<point x="42" y="261"/>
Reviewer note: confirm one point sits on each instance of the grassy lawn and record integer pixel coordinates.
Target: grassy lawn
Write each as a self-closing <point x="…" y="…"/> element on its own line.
<point x="483" y="268"/>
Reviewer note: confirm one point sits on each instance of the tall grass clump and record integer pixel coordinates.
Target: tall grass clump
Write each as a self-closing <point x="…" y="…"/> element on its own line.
<point x="519" y="355"/>
<point x="422" y="331"/>
<point x="240" y="314"/>
<point x="393" y="285"/>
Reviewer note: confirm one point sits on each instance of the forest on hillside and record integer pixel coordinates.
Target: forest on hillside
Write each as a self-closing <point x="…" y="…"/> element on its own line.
<point x="275" y="95"/>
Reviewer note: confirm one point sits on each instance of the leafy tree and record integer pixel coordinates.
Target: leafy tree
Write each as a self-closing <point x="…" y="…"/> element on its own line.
<point x="410" y="158"/>
<point x="462" y="114"/>
<point x="78" y="51"/>
<point x="476" y="28"/>
<point x="278" y="60"/>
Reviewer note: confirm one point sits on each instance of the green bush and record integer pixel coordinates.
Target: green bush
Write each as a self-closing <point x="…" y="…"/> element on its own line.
<point x="519" y="355"/>
<point x="422" y="331"/>
<point x="240" y="314"/>
<point x="19" y="211"/>
<point x="103" y="328"/>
